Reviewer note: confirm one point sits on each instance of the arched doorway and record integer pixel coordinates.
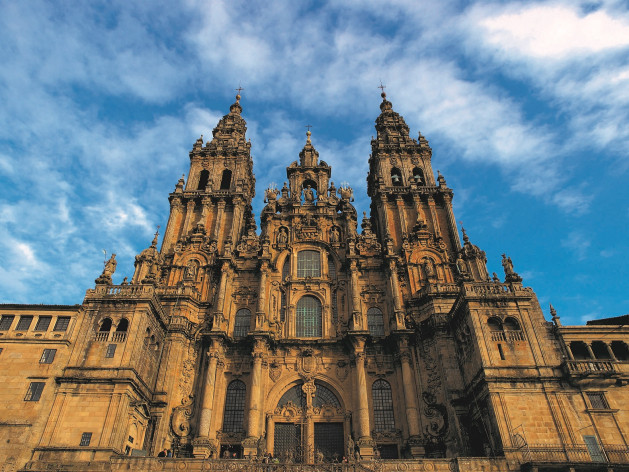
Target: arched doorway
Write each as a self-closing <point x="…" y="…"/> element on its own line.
<point x="308" y="425"/>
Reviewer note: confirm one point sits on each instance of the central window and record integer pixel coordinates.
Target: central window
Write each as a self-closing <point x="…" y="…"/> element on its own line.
<point x="308" y="317"/>
<point x="308" y="264"/>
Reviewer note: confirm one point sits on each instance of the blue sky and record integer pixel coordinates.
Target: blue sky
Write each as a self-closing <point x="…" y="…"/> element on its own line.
<point x="525" y="105"/>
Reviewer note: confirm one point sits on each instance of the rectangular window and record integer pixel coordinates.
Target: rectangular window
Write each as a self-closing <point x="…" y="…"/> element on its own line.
<point x="598" y="401"/>
<point x="6" y="321"/>
<point x="86" y="438"/>
<point x="34" y="391"/>
<point x="111" y="350"/>
<point x="24" y="323"/>
<point x="62" y="323"/>
<point x="308" y="264"/>
<point x="131" y="438"/>
<point x="48" y="356"/>
<point x="594" y="449"/>
<point x="43" y="322"/>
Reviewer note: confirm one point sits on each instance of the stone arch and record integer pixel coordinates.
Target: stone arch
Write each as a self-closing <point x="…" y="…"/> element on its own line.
<point x="105" y="325"/>
<point x="280" y="388"/>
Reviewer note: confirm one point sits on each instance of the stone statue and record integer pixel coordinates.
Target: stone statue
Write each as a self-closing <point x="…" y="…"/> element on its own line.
<point x="460" y="265"/>
<point x="332" y="190"/>
<point x="282" y="236"/>
<point x="335" y="235"/>
<point x="191" y="270"/>
<point x="308" y="194"/>
<point x="346" y="193"/>
<point x="429" y="267"/>
<point x="270" y="195"/>
<point x="507" y="265"/>
<point x="110" y="266"/>
<point x="262" y="446"/>
<point x="350" y="447"/>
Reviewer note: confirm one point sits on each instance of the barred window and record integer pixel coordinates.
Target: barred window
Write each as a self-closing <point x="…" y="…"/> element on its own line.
<point x="86" y="438"/>
<point x="331" y="268"/>
<point x="308" y="315"/>
<point x="62" y="323"/>
<point x="324" y="396"/>
<point x="111" y="350"/>
<point x="242" y="323"/>
<point x="295" y="395"/>
<point x="43" y="322"/>
<point x="234" y="413"/>
<point x="308" y="264"/>
<point x="6" y="321"/>
<point x="34" y="391"/>
<point x="382" y="406"/>
<point x="48" y="356"/>
<point x="24" y="323"/>
<point x="335" y="308"/>
<point x="375" y="322"/>
<point x="598" y="400"/>
<point x="282" y="306"/>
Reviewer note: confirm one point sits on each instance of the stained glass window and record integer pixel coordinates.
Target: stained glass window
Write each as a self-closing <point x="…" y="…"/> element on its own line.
<point x="382" y="406"/>
<point x="308" y="264"/>
<point x="234" y="413"/>
<point x="375" y="322"/>
<point x="308" y="315"/>
<point x="242" y="323"/>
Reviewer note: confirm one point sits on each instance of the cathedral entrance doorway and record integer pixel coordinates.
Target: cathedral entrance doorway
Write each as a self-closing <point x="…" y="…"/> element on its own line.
<point x="308" y="425"/>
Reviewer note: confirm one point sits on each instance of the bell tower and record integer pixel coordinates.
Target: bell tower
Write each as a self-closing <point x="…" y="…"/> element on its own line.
<point x="212" y="210"/>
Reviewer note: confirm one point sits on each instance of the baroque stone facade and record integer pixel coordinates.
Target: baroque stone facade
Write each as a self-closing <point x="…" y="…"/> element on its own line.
<point x="391" y="347"/>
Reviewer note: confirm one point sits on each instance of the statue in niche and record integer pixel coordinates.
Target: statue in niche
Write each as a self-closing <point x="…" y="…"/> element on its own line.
<point x="308" y="194"/>
<point x="460" y="265"/>
<point x="429" y="267"/>
<point x="282" y="236"/>
<point x="191" y="270"/>
<point x="335" y="234"/>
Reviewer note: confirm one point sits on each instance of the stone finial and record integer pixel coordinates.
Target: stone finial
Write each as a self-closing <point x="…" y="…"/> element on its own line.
<point x="553" y="313"/>
<point x="154" y="243"/>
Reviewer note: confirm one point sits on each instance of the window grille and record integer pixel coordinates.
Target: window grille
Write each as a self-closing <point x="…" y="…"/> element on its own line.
<point x="48" y="356"/>
<point x="24" y="323"/>
<point x="6" y="321"/>
<point x="34" y="391"/>
<point x="335" y="308"/>
<point x="295" y="395"/>
<point x="324" y="396"/>
<point x="308" y="315"/>
<point x="598" y="400"/>
<point x="234" y="413"/>
<point x="62" y="323"/>
<point x="282" y="306"/>
<point x="375" y="322"/>
<point x="43" y="323"/>
<point x="308" y="264"/>
<point x="242" y="323"/>
<point x="382" y="406"/>
<point x="331" y="268"/>
<point x="86" y="438"/>
<point x="111" y="351"/>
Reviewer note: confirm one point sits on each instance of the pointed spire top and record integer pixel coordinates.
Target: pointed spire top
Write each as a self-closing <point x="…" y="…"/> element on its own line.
<point x="466" y="240"/>
<point x="154" y="243"/>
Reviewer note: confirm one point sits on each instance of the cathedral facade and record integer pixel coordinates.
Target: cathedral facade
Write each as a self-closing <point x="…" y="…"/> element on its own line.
<point x="387" y="347"/>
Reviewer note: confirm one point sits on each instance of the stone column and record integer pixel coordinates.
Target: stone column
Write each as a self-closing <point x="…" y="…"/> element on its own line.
<point x="452" y="222"/>
<point x="410" y="401"/>
<point x="610" y="352"/>
<point x="433" y="216"/>
<point x="260" y="312"/>
<point x="175" y="211"/>
<point x="237" y="219"/>
<point x="201" y="445"/>
<point x="220" y="299"/>
<point x="356" y="314"/>
<point x="395" y="293"/>
<point x="189" y="214"/>
<point x="590" y="351"/>
<point x="365" y="443"/>
<point x="399" y="201"/>
<point x="220" y="208"/>
<point x="250" y="444"/>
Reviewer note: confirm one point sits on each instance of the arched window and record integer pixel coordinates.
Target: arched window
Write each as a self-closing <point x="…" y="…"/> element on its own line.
<point x="308" y="315"/>
<point x="579" y="350"/>
<point x="105" y="325"/>
<point x="375" y="322"/>
<point x="203" y="179"/>
<point x="123" y="325"/>
<point x="620" y="350"/>
<point x="511" y="324"/>
<point x="308" y="264"/>
<point x="335" y="306"/>
<point x="234" y="407"/>
<point x="382" y="406"/>
<point x="418" y="176"/>
<point x="294" y="395"/>
<point x="396" y="177"/>
<point x="494" y="324"/>
<point x="242" y="323"/>
<point x="282" y="305"/>
<point x="226" y="180"/>
<point x="599" y="348"/>
<point x="324" y="396"/>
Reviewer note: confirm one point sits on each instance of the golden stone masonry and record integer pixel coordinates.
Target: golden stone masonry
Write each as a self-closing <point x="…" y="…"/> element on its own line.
<point x="311" y="346"/>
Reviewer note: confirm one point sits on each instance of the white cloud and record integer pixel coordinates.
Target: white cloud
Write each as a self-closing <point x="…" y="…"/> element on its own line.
<point x="554" y="31"/>
<point x="577" y="243"/>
